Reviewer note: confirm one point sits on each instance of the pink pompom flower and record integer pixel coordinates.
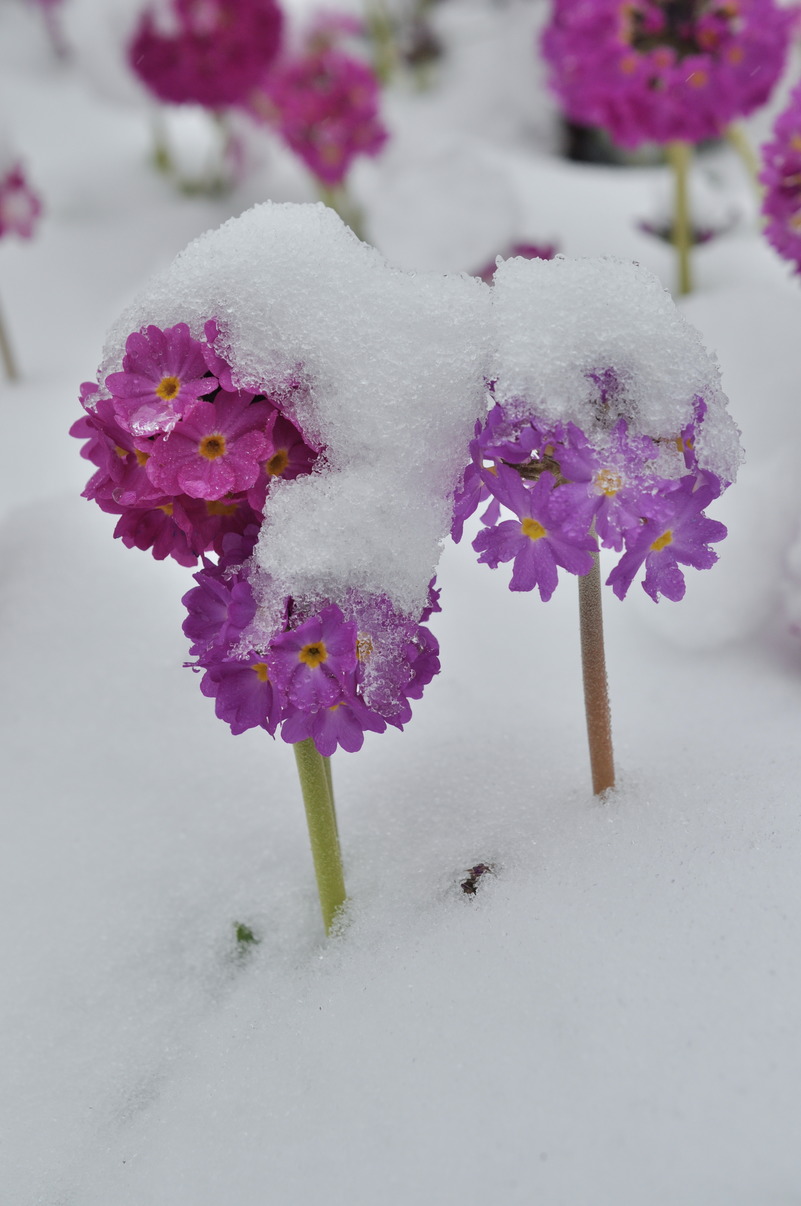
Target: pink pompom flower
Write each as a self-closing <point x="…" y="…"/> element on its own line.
<point x="664" y="70"/>
<point x="217" y="52"/>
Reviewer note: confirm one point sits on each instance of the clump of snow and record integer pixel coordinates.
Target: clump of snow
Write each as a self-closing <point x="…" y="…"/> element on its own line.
<point x="383" y="368"/>
<point x="568" y="329"/>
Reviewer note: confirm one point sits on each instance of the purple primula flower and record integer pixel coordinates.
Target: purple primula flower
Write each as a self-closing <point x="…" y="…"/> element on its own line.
<point x="220" y="608"/>
<point x="216" y="450"/>
<point x="681" y="538"/>
<point x="164" y="373"/>
<point x="243" y="693"/>
<point x="341" y="724"/>
<point x="543" y="537"/>
<point x="610" y="484"/>
<point x="313" y="663"/>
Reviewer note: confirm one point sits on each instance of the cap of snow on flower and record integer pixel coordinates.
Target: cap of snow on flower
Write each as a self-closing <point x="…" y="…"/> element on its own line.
<point x="609" y="422"/>
<point x="664" y="70"/>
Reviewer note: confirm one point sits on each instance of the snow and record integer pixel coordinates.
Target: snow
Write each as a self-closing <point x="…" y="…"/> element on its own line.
<point x="562" y="323"/>
<point x="613" y="1019"/>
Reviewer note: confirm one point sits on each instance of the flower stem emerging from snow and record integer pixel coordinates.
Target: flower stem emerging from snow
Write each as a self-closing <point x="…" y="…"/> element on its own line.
<point x="679" y="155"/>
<point x="6" y="355"/>
<point x="314" y="783"/>
<point x="593" y="665"/>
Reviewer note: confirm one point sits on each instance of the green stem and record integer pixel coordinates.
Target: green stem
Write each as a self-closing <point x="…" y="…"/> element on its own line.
<point x="379" y="27"/>
<point x="6" y="355"/>
<point x="593" y="665"/>
<point x="736" y="135"/>
<point x="678" y="154"/>
<point x="337" y="197"/>
<point x="330" y="780"/>
<point x="323" y="836"/>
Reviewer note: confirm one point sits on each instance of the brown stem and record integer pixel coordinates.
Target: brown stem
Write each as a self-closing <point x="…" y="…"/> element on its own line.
<point x="593" y="665"/>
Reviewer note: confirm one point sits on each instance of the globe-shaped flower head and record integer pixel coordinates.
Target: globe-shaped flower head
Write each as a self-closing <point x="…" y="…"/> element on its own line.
<point x="664" y="70"/>
<point x="206" y="52"/>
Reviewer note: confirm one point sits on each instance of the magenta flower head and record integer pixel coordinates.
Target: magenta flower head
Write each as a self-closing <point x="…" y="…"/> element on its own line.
<point x="325" y="104"/>
<point x="661" y="71"/>
<point x="781" y="176"/>
<point x="19" y="205"/>
<point x="206" y="52"/>
<point x="609" y="427"/>
<point x="182" y="461"/>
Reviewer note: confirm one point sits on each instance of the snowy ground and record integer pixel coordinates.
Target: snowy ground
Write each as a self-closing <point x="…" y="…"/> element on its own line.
<point x="613" y="1019"/>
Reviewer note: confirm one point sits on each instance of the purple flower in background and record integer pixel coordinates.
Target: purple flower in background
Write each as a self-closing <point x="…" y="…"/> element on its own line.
<point x="216" y="450"/>
<point x="215" y="53"/>
<point x="19" y="205"/>
<point x="781" y="176"/>
<point x="325" y="105"/>
<point x="660" y="71"/>
<point x="528" y="251"/>
<point x="543" y="537"/>
<point x="164" y="373"/>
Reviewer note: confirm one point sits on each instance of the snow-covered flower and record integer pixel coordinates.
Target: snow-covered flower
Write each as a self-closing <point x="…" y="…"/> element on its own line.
<point x="661" y="71"/>
<point x="621" y="439"/>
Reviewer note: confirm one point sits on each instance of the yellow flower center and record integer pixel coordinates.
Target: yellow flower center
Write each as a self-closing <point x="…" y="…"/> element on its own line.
<point x="167" y="508"/>
<point x="142" y="457"/>
<point x="608" y="482"/>
<point x="277" y="463"/>
<point x="662" y="542"/>
<point x="168" y="387"/>
<point x="212" y="446"/>
<point x="121" y="452"/>
<point x="313" y="655"/>
<point x="364" y="647"/>
<point x="221" y="508"/>
<point x="260" y="670"/>
<point x="532" y="529"/>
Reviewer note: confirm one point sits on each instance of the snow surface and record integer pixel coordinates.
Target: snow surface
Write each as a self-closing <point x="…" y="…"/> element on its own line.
<point x="613" y="1019"/>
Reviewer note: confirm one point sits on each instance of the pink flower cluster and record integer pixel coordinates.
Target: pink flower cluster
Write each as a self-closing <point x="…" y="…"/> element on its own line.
<point x="642" y="497"/>
<point x="781" y="176"/>
<point x="19" y="205"/>
<point x="324" y="103"/>
<point x="182" y="455"/>
<point x="664" y="70"/>
<point x="215" y="56"/>
<point x="329" y="673"/>
<point x="185" y="459"/>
